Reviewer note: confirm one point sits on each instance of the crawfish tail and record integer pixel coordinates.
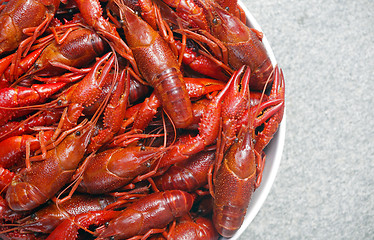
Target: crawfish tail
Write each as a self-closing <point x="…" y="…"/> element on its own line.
<point x="189" y="175"/>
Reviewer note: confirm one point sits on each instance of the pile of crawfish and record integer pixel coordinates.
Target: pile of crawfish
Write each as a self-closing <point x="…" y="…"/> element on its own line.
<point x="131" y="119"/>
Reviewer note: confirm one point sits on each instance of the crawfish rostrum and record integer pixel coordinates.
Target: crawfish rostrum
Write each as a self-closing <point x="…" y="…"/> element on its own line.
<point x="131" y="118"/>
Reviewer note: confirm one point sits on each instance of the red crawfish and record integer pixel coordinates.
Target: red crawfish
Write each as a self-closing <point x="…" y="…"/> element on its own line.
<point x="234" y="184"/>
<point x="19" y="15"/>
<point x="114" y="168"/>
<point x="33" y="186"/>
<point x="234" y="180"/>
<point x="13" y="149"/>
<point x="80" y="48"/>
<point x="235" y="114"/>
<point x="14" y="100"/>
<point x="50" y="216"/>
<point x="41" y="118"/>
<point x="154" y="211"/>
<point x="159" y="66"/>
<point x="9" y="72"/>
<point x="189" y="52"/>
<point x="244" y="45"/>
<point x="68" y="229"/>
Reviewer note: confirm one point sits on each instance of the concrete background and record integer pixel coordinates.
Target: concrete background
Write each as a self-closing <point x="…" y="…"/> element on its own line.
<point x="324" y="187"/>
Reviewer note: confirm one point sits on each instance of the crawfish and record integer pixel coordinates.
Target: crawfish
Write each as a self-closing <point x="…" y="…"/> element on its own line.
<point x="49" y="217"/>
<point x="159" y="66"/>
<point x="234" y="180"/>
<point x="19" y="15"/>
<point x="12" y="100"/>
<point x="234" y="184"/>
<point x="244" y="45"/>
<point x="114" y="168"/>
<point x="33" y="186"/>
<point x="43" y="118"/>
<point x="13" y="149"/>
<point x="68" y="229"/>
<point x="80" y="48"/>
<point x="154" y="211"/>
<point x="23" y="65"/>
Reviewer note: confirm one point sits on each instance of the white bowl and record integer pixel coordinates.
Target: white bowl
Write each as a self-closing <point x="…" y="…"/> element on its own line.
<point x="273" y="150"/>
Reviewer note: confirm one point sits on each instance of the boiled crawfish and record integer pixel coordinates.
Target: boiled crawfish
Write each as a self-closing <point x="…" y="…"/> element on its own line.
<point x="163" y="110"/>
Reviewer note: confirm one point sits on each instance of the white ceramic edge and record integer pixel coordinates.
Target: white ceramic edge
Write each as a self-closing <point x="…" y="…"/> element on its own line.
<point x="273" y="151"/>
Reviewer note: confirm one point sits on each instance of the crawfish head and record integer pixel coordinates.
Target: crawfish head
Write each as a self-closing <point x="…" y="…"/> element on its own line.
<point x="36" y="184"/>
<point x="225" y="26"/>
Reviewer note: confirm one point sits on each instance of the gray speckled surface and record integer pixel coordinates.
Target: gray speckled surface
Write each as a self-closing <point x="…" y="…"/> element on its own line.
<point x="324" y="188"/>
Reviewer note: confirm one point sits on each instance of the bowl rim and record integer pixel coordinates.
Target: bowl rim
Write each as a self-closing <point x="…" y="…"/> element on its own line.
<point x="274" y="148"/>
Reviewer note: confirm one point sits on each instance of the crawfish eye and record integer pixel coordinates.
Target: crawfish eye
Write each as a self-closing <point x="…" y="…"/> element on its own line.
<point x="121" y="21"/>
<point x="77" y="133"/>
<point x="106" y="224"/>
<point x="59" y="102"/>
<point x="215" y="21"/>
<point x="236" y="140"/>
<point x="111" y="238"/>
<point x="142" y="148"/>
<point x="227" y="8"/>
<point x="37" y="234"/>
